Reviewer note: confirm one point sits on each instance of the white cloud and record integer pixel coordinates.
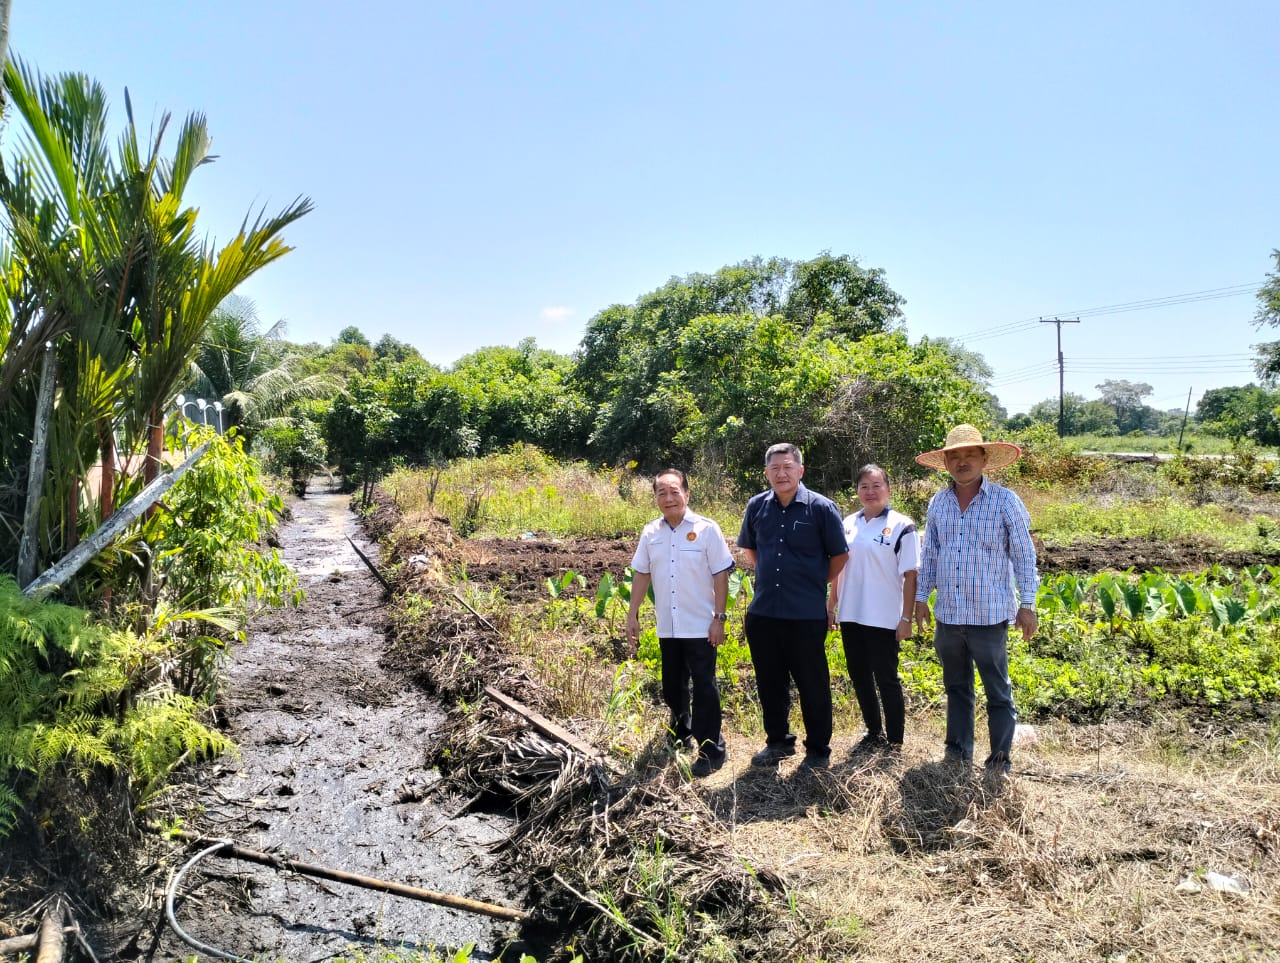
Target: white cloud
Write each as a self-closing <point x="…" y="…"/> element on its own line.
<point x="557" y="313"/>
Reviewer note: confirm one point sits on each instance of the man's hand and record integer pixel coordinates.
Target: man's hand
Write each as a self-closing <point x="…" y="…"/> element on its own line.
<point x="923" y="618"/>
<point x="633" y="634"/>
<point x="1028" y="621"/>
<point x="715" y="633"/>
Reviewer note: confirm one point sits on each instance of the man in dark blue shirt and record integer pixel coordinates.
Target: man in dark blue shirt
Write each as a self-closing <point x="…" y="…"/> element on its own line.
<point x="795" y="540"/>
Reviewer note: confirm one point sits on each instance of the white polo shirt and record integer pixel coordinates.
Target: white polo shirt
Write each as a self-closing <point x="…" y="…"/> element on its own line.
<point x="881" y="551"/>
<point x="681" y="562"/>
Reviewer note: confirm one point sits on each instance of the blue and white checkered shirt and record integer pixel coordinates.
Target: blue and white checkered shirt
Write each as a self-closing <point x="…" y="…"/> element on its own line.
<point x="981" y="560"/>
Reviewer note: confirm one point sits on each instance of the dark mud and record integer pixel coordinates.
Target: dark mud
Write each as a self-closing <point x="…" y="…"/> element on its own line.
<point x="331" y="771"/>
<point x="1143" y="555"/>
<point x="522" y="566"/>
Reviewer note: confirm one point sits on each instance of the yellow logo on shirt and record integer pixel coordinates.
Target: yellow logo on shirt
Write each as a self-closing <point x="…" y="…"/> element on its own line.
<point x="886" y="531"/>
<point x="691" y="537"/>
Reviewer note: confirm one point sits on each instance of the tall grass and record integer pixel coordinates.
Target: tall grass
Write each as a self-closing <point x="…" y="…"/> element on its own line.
<point x="1197" y="443"/>
<point x="1164" y="518"/>
<point x="523" y="490"/>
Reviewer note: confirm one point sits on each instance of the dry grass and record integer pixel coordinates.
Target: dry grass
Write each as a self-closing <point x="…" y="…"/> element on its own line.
<point x="1078" y="856"/>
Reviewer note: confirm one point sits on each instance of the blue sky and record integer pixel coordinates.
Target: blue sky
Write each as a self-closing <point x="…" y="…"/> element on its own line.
<point x="485" y="171"/>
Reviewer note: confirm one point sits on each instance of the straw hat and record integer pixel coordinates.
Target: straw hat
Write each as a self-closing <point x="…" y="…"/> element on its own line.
<point x="999" y="453"/>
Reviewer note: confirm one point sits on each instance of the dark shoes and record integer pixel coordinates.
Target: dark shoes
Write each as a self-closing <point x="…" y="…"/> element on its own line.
<point x="870" y="744"/>
<point x="997" y="764"/>
<point x="706" y="765"/>
<point x="816" y="760"/>
<point x="774" y="753"/>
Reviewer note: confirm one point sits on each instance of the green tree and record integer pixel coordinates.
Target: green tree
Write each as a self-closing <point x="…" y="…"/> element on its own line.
<point x="1126" y="397"/>
<point x="842" y="297"/>
<point x="1241" y="412"/>
<point x="258" y="377"/>
<point x="1080" y="417"/>
<point x="353" y="335"/>
<point x="105" y="263"/>
<point x="627" y="364"/>
<point x="389" y="349"/>
<point x="1268" y="316"/>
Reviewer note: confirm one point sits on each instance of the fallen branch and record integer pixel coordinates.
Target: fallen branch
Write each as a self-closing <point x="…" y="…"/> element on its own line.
<point x="550" y="728"/>
<point x="355" y="879"/>
<point x="27" y="941"/>
<point x="611" y="913"/>
<point x="468" y="607"/>
<point x="54" y="577"/>
<point x="372" y="568"/>
<point x="53" y="940"/>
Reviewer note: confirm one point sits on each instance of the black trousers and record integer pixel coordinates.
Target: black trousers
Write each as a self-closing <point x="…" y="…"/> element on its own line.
<point x="871" y="652"/>
<point x="686" y="662"/>
<point x="783" y="650"/>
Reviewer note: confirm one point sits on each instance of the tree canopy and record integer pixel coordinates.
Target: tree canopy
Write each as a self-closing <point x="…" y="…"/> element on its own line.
<point x="1268" y="316"/>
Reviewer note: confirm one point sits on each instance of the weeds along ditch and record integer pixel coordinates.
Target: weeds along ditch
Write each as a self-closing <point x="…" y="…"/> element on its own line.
<point x="1141" y="684"/>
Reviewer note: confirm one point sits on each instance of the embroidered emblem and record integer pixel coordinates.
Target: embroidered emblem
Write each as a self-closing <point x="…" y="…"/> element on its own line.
<point x="691" y="537"/>
<point x="886" y="531"/>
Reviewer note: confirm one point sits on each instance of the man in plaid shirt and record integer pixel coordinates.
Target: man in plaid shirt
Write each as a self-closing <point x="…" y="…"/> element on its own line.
<point x="978" y="554"/>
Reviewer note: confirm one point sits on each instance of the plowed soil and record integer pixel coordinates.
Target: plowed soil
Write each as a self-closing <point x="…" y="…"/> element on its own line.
<point x="522" y="567"/>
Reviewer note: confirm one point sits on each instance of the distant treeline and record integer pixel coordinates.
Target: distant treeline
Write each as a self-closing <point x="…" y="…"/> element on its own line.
<point x="704" y="372"/>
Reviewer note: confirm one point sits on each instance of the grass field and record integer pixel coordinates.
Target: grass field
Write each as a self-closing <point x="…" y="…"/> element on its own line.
<point x="1146" y="830"/>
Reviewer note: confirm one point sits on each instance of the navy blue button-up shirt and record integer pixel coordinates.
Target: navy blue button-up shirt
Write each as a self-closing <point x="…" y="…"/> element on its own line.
<point x="794" y="546"/>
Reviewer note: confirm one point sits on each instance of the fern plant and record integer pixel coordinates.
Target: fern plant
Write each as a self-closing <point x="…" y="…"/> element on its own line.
<point x="79" y="697"/>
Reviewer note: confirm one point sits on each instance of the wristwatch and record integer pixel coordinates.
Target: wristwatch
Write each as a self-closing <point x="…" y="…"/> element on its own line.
<point x="720" y="617"/>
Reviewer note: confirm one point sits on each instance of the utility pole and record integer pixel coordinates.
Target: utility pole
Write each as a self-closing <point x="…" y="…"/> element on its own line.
<point x="1185" y="412"/>
<point x="1062" y="417"/>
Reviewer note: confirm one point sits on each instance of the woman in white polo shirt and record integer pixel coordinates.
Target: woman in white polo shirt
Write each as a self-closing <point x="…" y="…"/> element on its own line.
<point x="872" y="603"/>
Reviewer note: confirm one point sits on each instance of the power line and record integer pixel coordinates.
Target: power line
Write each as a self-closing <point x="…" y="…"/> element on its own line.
<point x="1190" y="297"/>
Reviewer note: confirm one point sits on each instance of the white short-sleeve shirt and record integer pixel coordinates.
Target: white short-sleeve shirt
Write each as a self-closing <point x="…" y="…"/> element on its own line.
<point x="681" y="562"/>
<point x="881" y="551"/>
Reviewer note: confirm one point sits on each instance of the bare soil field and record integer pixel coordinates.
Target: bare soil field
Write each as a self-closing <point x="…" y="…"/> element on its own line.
<point x="522" y="566"/>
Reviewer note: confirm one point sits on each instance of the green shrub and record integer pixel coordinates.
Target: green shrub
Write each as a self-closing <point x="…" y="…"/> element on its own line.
<point x="78" y="697"/>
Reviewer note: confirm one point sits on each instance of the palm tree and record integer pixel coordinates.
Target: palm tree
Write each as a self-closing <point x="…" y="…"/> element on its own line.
<point x="105" y="262"/>
<point x="254" y="374"/>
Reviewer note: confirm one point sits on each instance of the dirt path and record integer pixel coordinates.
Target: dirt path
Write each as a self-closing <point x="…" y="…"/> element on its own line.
<point x="331" y="771"/>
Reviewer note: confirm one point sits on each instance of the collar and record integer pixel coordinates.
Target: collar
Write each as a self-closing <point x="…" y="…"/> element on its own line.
<point x="982" y="485"/>
<point x="802" y="496"/>
<point x="689" y="517"/>
<point x="883" y="514"/>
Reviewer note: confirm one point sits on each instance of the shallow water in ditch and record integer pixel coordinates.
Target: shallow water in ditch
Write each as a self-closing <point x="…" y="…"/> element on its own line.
<point x="331" y="771"/>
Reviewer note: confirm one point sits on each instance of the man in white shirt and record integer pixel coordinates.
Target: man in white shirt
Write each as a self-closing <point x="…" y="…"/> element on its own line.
<point x="683" y="556"/>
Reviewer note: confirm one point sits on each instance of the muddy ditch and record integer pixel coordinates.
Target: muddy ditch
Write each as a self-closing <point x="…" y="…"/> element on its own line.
<point x="332" y="771"/>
